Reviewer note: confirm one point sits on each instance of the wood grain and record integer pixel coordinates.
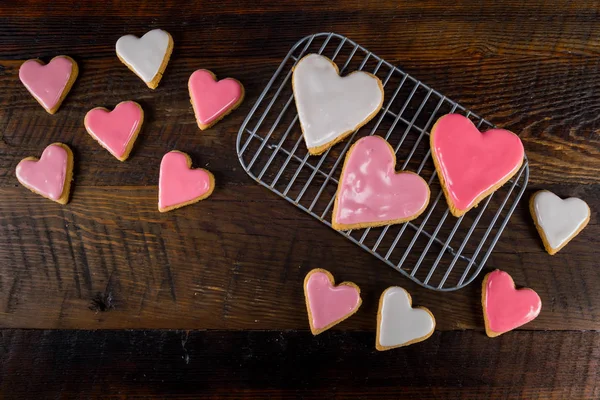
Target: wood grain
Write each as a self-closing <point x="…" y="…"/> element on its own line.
<point x="198" y="269"/>
<point x="535" y="75"/>
<point x="292" y="364"/>
<point x="237" y="260"/>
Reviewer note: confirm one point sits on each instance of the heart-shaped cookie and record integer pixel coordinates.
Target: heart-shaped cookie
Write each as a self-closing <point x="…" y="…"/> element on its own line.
<point x="212" y="99"/>
<point x="179" y="184"/>
<point x="470" y="164"/>
<point x="327" y="304"/>
<point x="557" y="220"/>
<point x="147" y="56"/>
<point x="398" y="323"/>
<point x="331" y="107"/>
<point x="51" y="175"/>
<point x="49" y="83"/>
<point x="371" y="192"/>
<point x="116" y="130"/>
<point x="504" y="307"/>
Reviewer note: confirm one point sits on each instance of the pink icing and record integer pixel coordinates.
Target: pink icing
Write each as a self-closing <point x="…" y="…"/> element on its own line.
<point x="372" y="191"/>
<point x="46" y="82"/>
<point x="114" y="129"/>
<point x="507" y="308"/>
<point x="47" y="175"/>
<point x="210" y="98"/>
<point x="329" y="303"/>
<point x="471" y="163"/>
<point x="178" y="183"/>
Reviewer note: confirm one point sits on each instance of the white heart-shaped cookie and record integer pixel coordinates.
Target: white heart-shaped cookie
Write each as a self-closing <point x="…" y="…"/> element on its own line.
<point x="557" y="220"/>
<point x="398" y="323"/>
<point x="331" y="107"/>
<point x="147" y="56"/>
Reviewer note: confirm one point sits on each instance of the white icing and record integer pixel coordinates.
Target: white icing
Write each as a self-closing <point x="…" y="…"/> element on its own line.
<point x="559" y="219"/>
<point x="329" y="105"/>
<point x="399" y="322"/>
<point x="146" y="54"/>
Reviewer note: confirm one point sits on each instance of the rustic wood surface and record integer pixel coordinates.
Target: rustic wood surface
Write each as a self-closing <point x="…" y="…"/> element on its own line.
<point x="109" y="260"/>
<point x="292" y="365"/>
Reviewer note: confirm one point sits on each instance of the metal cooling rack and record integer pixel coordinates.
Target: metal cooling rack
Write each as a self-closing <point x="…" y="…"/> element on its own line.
<point x="443" y="253"/>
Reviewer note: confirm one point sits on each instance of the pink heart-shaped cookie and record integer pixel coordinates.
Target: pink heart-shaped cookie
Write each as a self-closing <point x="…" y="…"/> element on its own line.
<point x="116" y="130"/>
<point x="179" y="184"/>
<point x="371" y="192"/>
<point x="212" y="99"/>
<point x="471" y="164"/>
<point x="504" y="307"/>
<point x="328" y="305"/>
<point x="51" y="175"/>
<point x="49" y="83"/>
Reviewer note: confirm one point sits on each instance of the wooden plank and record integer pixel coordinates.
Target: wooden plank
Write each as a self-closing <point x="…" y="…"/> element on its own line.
<point x="216" y="364"/>
<point x="547" y="65"/>
<point x="234" y="263"/>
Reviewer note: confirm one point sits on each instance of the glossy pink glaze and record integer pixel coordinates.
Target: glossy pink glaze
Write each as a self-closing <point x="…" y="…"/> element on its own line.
<point x="178" y="183"/>
<point x="47" y="175"/>
<point x="507" y="308"/>
<point x="114" y="129"/>
<point x="46" y="82"/>
<point x="372" y="191"/>
<point x="472" y="163"/>
<point x="210" y="98"/>
<point x="329" y="303"/>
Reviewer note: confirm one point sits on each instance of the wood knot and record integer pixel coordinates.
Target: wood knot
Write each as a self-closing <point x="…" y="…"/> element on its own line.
<point x="102" y="302"/>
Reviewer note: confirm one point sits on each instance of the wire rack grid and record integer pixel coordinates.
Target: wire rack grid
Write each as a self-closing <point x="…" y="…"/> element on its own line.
<point x="271" y="150"/>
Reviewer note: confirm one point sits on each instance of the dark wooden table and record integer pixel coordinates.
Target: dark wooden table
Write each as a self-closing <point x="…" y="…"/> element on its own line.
<point x="207" y="301"/>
